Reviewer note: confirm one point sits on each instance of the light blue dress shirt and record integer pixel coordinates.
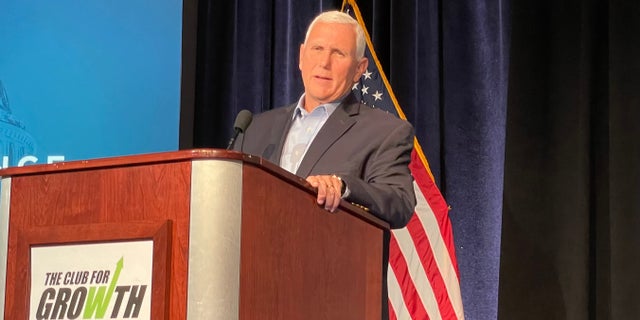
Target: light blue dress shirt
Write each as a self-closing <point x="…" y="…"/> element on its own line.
<point x="304" y="128"/>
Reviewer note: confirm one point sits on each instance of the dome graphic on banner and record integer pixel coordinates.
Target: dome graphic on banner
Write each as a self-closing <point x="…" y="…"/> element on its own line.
<point x="15" y="141"/>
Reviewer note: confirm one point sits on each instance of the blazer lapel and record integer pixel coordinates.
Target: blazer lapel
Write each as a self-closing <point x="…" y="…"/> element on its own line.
<point x="279" y="129"/>
<point x="338" y="123"/>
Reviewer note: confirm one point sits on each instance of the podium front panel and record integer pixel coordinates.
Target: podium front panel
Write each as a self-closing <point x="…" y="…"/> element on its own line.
<point x="234" y="237"/>
<point x="5" y="188"/>
<point x="214" y="240"/>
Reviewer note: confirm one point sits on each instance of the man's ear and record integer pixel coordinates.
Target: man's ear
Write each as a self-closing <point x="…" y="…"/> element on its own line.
<point x="300" y="56"/>
<point x="361" y="68"/>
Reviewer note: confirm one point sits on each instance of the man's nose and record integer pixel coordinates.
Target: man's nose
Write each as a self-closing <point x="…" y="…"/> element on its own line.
<point x="325" y="59"/>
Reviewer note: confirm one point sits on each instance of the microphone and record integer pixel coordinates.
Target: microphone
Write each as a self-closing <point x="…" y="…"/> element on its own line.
<point x="243" y="120"/>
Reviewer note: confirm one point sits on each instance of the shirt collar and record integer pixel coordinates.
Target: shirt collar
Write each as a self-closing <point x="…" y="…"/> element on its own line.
<point x="327" y="108"/>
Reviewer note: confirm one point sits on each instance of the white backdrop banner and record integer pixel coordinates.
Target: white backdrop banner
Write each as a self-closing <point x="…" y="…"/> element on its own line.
<point x="92" y="281"/>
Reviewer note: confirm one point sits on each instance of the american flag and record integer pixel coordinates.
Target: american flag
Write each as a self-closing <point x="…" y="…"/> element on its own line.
<point x="423" y="278"/>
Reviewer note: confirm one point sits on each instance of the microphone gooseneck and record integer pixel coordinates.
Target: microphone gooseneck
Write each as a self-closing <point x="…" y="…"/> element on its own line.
<point x="243" y="120"/>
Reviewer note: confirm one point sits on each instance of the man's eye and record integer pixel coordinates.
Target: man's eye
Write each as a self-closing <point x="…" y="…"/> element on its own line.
<point x="339" y="53"/>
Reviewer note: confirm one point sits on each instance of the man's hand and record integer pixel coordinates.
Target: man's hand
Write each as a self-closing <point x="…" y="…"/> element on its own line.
<point x="329" y="190"/>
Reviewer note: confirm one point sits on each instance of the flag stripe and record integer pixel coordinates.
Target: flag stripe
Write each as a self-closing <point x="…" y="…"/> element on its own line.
<point x="436" y="204"/>
<point x="392" y="315"/>
<point x="424" y="243"/>
<point x="398" y="263"/>
<point x="397" y="307"/>
<point x="418" y="275"/>
<point x="435" y="224"/>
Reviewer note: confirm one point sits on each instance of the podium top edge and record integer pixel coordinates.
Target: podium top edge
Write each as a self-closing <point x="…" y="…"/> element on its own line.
<point x="179" y="156"/>
<point x="128" y="160"/>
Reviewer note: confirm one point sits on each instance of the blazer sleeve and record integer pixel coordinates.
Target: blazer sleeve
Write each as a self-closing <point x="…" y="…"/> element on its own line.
<point x="386" y="187"/>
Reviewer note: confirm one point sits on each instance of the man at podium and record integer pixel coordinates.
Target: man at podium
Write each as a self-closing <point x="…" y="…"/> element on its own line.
<point x="345" y="149"/>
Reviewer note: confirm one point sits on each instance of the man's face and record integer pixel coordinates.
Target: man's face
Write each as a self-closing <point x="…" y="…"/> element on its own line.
<point x="328" y="63"/>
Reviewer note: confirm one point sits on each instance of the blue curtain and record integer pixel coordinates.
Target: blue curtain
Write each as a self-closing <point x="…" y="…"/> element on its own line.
<point x="530" y="105"/>
<point x="247" y="59"/>
<point x="446" y="62"/>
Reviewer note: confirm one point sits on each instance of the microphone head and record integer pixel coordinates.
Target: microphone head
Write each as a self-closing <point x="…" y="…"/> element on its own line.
<point x="243" y="120"/>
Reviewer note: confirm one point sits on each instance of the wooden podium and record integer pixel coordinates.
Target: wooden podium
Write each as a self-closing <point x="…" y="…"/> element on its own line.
<point x="232" y="236"/>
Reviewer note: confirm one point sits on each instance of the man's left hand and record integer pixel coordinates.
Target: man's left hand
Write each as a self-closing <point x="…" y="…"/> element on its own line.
<point x="329" y="190"/>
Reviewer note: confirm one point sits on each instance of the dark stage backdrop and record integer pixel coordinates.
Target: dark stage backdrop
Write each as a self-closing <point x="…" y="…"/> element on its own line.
<point x="571" y="240"/>
<point x="552" y="86"/>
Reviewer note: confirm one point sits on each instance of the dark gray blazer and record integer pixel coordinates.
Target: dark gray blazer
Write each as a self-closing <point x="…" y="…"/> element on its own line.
<point x="368" y="148"/>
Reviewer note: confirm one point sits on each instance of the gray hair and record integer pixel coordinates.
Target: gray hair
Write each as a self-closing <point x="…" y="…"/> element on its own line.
<point x="341" y="17"/>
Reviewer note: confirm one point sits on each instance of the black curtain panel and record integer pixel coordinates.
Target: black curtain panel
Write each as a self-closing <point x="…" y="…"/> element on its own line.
<point x="570" y="243"/>
<point x="528" y="114"/>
